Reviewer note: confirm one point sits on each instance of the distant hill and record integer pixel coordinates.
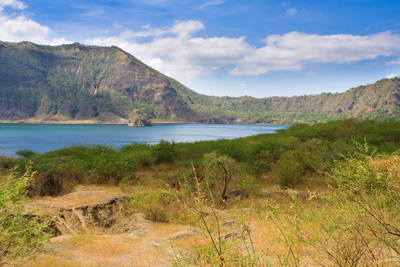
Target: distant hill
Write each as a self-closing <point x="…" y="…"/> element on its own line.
<point x="107" y="85"/>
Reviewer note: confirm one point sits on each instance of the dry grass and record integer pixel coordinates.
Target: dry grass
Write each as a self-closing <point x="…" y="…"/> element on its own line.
<point x="51" y="261"/>
<point x="83" y="250"/>
<point x="102" y="245"/>
<point x="155" y="245"/>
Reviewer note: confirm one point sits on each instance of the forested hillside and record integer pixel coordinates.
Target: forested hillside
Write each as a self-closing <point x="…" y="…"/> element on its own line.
<point x="107" y="85"/>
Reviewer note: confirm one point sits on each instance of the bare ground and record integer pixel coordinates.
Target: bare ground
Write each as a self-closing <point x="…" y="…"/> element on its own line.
<point x="89" y="240"/>
<point x="96" y="227"/>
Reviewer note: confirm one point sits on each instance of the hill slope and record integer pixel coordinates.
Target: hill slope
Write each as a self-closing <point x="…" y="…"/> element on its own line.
<point x="106" y="84"/>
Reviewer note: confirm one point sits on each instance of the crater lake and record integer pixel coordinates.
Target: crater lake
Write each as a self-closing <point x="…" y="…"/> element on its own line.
<point x="46" y="137"/>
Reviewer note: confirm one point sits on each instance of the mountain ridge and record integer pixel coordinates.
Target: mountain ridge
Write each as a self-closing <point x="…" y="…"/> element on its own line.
<point x="79" y="83"/>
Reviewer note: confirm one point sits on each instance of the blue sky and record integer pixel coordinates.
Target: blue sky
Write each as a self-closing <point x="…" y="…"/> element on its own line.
<point x="258" y="48"/>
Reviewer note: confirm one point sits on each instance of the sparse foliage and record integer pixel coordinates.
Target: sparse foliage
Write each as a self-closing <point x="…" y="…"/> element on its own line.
<point x="220" y="170"/>
<point x="21" y="233"/>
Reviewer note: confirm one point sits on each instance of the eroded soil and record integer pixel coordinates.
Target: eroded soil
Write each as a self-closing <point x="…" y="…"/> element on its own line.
<point x="96" y="228"/>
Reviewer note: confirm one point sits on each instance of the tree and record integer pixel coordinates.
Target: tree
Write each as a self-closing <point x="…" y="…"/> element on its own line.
<point x="21" y="234"/>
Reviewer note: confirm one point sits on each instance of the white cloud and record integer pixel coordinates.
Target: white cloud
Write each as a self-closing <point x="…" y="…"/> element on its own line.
<point x="21" y="28"/>
<point x="185" y="28"/>
<point x="180" y="28"/>
<point x="175" y="52"/>
<point x="18" y="27"/>
<point x="291" y="12"/>
<point x="390" y="76"/>
<point x="58" y="41"/>
<point x="291" y="50"/>
<point x="13" y="4"/>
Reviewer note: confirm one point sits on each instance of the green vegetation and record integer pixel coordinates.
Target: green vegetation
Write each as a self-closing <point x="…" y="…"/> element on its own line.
<point x="325" y="194"/>
<point x="21" y="235"/>
<point x="60" y="170"/>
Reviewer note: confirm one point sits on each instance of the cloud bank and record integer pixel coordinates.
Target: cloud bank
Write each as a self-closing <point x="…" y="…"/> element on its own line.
<point x="290" y="51"/>
<point x="176" y="50"/>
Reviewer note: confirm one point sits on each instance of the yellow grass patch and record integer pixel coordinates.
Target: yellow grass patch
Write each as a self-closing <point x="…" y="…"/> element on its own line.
<point x="51" y="261"/>
<point x="102" y="245"/>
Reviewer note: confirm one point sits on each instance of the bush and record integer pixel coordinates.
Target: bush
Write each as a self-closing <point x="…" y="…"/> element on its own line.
<point x="54" y="176"/>
<point x="26" y="153"/>
<point x="223" y="175"/>
<point x="293" y="165"/>
<point x="220" y="170"/>
<point x="143" y="159"/>
<point x="156" y="206"/>
<point x="110" y="166"/>
<point x="164" y="152"/>
<point x="21" y="234"/>
<point x="62" y="169"/>
<point x="7" y="163"/>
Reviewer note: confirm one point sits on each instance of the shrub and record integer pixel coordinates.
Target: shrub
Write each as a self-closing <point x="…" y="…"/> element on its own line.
<point x="7" y="163"/>
<point x="156" y="206"/>
<point x="62" y="169"/>
<point x="111" y="167"/>
<point x="220" y="170"/>
<point x="55" y="176"/>
<point x="21" y="234"/>
<point x="143" y="159"/>
<point x="289" y="170"/>
<point x="139" y="153"/>
<point x="26" y="153"/>
<point x="223" y="175"/>
<point x="293" y="165"/>
<point x="321" y="131"/>
<point x="164" y="152"/>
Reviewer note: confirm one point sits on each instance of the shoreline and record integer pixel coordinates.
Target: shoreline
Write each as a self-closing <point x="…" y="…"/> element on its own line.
<point x="56" y="122"/>
<point x="91" y="122"/>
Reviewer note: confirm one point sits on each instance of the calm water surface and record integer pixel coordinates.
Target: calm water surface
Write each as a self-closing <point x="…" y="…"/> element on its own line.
<point x="47" y="137"/>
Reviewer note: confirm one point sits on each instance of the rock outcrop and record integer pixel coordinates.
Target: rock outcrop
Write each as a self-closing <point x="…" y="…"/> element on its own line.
<point x="138" y="119"/>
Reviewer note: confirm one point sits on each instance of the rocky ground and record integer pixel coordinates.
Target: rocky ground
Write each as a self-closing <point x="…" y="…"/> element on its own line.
<point x="95" y="227"/>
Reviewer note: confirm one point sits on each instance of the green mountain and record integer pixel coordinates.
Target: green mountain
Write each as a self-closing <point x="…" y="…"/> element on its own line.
<point x="105" y="84"/>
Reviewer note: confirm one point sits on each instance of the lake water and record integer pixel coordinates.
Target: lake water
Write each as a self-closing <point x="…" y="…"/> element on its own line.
<point x="46" y="137"/>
